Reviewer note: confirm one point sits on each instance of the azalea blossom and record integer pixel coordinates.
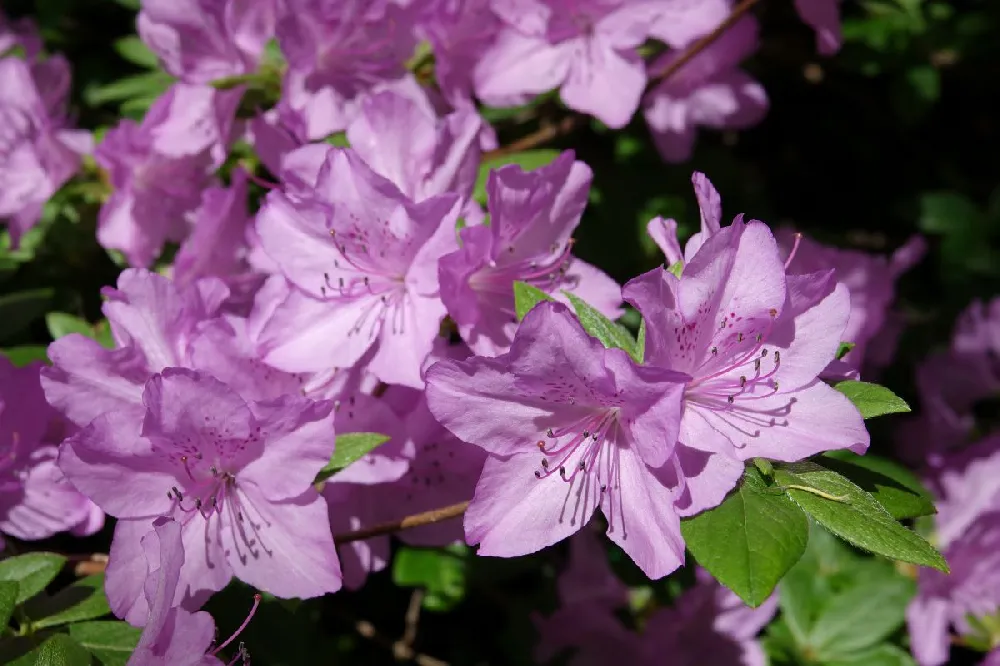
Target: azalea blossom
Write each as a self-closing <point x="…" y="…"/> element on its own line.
<point x="707" y="91"/>
<point x="754" y="342"/>
<point x="533" y="215"/>
<point x="570" y="426"/>
<point x="586" y="49"/>
<point x="363" y="261"/>
<point x="36" y="500"/>
<point x="171" y="635"/>
<point x="207" y="458"/>
<point x="202" y="41"/>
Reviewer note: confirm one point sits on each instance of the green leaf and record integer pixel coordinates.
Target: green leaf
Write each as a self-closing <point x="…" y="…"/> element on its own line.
<point x="350" y="447"/>
<point x="136" y="52"/>
<point x="855" y="517"/>
<point x="871" y="399"/>
<point x="611" y="334"/>
<point x="527" y="297"/>
<point x="893" y="486"/>
<point x="527" y="160"/>
<point x="112" y="642"/>
<point x="677" y="268"/>
<point x="640" y="342"/>
<point x="25" y="354"/>
<point x="440" y="571"/>
<point x="147" y="85"/>
<point x="61" y="323"/>
<point x="844" y="348"/>
<point x="20" y="309"/>
<point x="57" y="650"/>
<point x="84" y="600"/>
<point x="8" y="601"/>
<point x="750" y="540"/>
<point x="883" y="655"/>
<point x="863" y="615"/>
<point x="32" y="572"/>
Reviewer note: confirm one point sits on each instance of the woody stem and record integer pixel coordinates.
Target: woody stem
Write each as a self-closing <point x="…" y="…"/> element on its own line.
<point x="416" y="520"/>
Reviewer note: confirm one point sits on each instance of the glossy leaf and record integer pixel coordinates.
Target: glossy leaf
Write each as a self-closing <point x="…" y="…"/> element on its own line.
<point x="854" y="515"/>
<point x="750" y="540"/>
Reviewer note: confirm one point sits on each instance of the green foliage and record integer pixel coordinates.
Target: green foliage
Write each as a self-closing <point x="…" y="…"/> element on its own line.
<point x="441" y="572"/>
<point x="527" y="297"/>
<point x="350" y="447"/>
<point x="893" y="486"/>
<point x="750" y="540"/>
<point x="611" y="334"/>
<point x="854" y="515"/>
<point x="31" y="572"/>
<point x="838" y="607"/>
<point x="110" y="642"/>
<point x="57" y="628"/>
<point x="871" y="399"/>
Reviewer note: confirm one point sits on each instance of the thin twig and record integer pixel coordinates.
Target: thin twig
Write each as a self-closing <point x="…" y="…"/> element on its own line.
<point x="699" y="45"/>
<point x="412" y="618"/>
<point x="552" y="130"/>
<point x="416" y="520"/>
<point x="367" y="630"/>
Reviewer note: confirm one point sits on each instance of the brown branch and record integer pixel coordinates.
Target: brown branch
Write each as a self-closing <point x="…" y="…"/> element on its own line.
<point x="699" y="45"/>
<point x="412" y="619"/>
<point x="416" y="520"/>
<point x="547" y="132"/>
<point x="552" y="130"/>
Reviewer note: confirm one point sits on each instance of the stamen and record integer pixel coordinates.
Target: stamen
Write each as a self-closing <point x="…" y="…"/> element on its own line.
<point x="239" y="630"/>
<point x="795" y="248"/>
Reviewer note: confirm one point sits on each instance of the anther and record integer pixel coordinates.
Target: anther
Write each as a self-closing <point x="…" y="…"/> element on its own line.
<point x="739" y="337"/>
<point x="763" y="352"/>
<point x="715" y="350"/>
<point x="777" y="357"/>
<point x="731" y="399"/>
<point x="549" y="433"/>
<point x="773" y="312"/>
<point x="743" y="381"/>
<point x="586" y="433"/>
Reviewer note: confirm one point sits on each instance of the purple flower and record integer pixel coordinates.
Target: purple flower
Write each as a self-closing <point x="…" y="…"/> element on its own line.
<point x="422" y="155"/>
<point x="951" y="382"/>
<point x="158" y="169"/>
<point x="36" y="501"/>
<point x="707" y="625"/>
<point x="38" y="154"/>
<point x="460" y="32"/>
<point x="823" y="16"/>
<point x="754" y="343"/>
<point x="587" y="49"/>
<point x="153" y="324"/>
<point x="968" y="534"/>
<point x="707" y="91"/>
<point x="204" y="40"/>
<point x="569" y="426"/>
<point x="338" y="52"/>
<point x="532" y="217"/>
<point x="171" y="635"/>
<point x="664" y="232"/>
<point x="236" y="475"/>
<point x="22" y="32"/>
<point x="870" y="279"/>
<point x="443" y="471"/>
<point x="218" y="247"/>
<point x="363" y="259"/>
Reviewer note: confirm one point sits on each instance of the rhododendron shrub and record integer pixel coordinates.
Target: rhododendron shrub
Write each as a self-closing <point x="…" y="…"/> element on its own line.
<point x="390" y="332"/>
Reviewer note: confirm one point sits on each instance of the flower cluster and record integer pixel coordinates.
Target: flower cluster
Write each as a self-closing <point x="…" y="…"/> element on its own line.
<point x="362" y="283"/>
